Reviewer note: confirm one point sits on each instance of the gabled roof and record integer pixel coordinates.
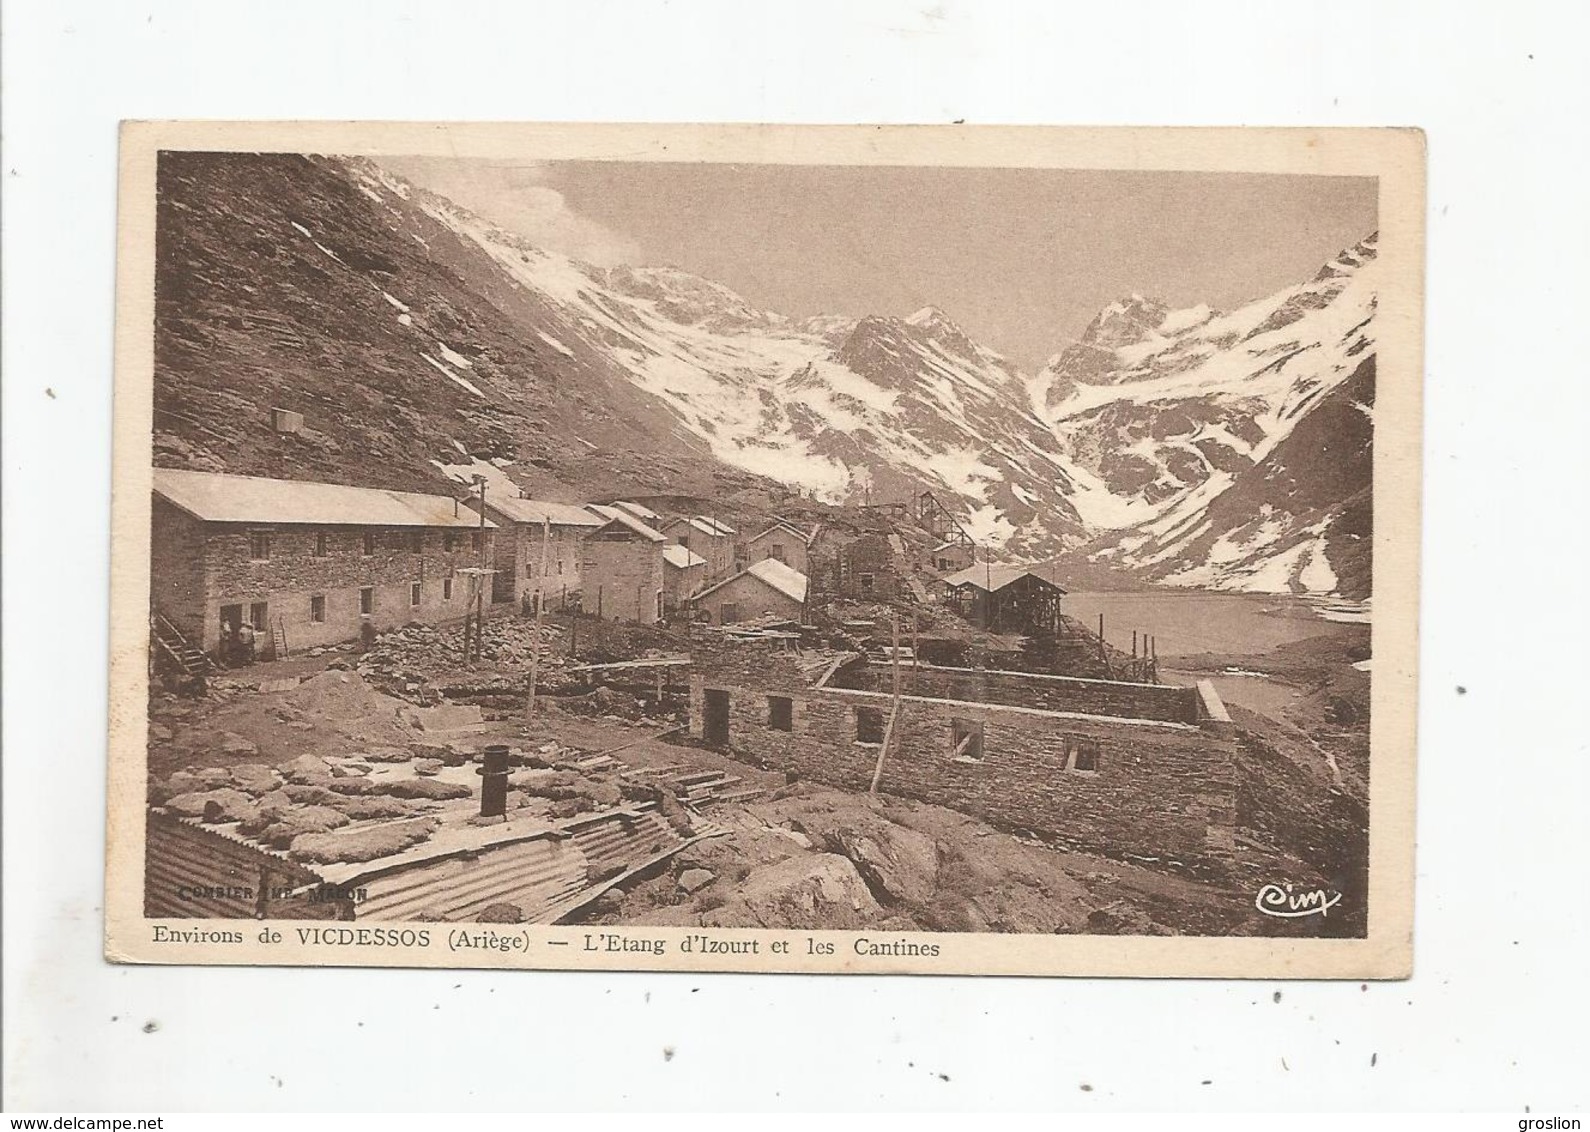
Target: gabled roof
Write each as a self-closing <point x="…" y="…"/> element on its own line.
<point x="640" y="511"/>
<point x="781" y="527"/>
<point x="219" y="498"/>
<point x="948" y="543"/>
<point x="706" y="526"/>
<point x="537" y="511"/>
<point x="624" y="518"/>
<point x="772" y="573"/>
<point x="682" y="557"/>
<point x="990" y="579"/>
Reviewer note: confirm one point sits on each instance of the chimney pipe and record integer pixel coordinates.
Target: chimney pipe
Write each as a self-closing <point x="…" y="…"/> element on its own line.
<point x="494" y="782"/>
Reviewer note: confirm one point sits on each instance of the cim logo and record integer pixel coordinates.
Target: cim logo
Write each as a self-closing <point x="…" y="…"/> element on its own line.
<point x="1291" y="902"/>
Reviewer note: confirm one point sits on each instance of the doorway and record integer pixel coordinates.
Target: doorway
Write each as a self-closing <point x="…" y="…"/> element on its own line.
<point x="715" y="728"/>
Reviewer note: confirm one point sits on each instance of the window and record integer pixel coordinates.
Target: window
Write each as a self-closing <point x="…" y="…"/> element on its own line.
<point x="369" y="542"/>
<point x="367" y="599"/>
<point x="966" y="740"/>
<point x="320" y="544"/>
<point x="869" y="725"/>
<point x="447" y="589"/>
<point x="414" y="593"/>
<point x="476" y="540"/>
<point x="560" y="566"/>
<point x="728" y="613"/>
<point x="259" y="615"/>
<point x="777" y="551"/>
<point x="1085" y="756"/>
<point x="416" y="540"/>
<point x="781" y="713"/>
<point x="259" y="545"/>
<point x="449" y="541"/>
<point x="684" y="540"/>
<point x="866" y="583"/>
<point x="530" y="569"/>
<point x="317" y="608"/>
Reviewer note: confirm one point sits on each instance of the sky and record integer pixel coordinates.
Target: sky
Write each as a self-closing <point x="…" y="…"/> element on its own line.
<point x="1022" y="259"/>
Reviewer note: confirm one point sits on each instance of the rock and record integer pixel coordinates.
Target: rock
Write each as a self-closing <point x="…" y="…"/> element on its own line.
<point x="361" y="845"/>
<point x="255" y="778"/>
<point x="821" y="890"/>
<point x="363" y="807"/>
<point x="604" y="794"/>
<point x="387" y="755"/>
<point x="301" y="725"/>
<point x="693" y="880"/>
<point x="501" y="913"/>
<point x="554" y="784"/>
<point x="214" y="806"/>
<point x="429" y="789"/>
<point x="232" y="744"/>
<point x="428" y="767"/>
<point x="899" y="865"/>
<point x="306" y="770"/>
<point x="570" y="807"/>
<point x="185" y="782"/>
<point x="349" y="770"/>
<point x="292" y="824"/>
<point x="306" y="795"/>
<point x="159" y="733"/>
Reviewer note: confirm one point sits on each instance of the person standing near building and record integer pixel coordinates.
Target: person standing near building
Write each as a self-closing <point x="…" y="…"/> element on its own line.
<point x="245" y="643"/>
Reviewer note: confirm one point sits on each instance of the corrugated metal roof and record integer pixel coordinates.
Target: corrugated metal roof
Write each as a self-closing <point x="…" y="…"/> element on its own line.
<point x="619" y="515"/>
<point x="215" y="497"/>
<point x="537" y="511"/>
<point x="682" y="557"/>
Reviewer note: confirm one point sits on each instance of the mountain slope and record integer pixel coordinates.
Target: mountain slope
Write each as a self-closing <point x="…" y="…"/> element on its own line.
<point x="422" y="342"/>
<point x="1221" y="450"/>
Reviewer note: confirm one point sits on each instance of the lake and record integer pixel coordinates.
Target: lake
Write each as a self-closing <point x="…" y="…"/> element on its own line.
<point x="1189" y="622"/>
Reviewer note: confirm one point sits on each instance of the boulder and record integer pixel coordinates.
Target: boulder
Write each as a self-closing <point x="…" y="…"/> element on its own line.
<point x="364" y="807"/>
<point x="900" y="865"/>
<point x="387" y="755"/>
<point x="812" y="891"/>
<point x="214" y="806"/>
<point x="429" y="789"/>
<point x="501" y="913"/>
<point x="308" y="795"/>
<point x="429" y="768"/>
<point x="234" y="744"/>
<point x="693" y="880"/>
<point x="159" y="733"/>
<point x="255" y="778"/>
<point x="292" y="824"/>
<point x="363" y="844"/>
<point x="307" y="770"/>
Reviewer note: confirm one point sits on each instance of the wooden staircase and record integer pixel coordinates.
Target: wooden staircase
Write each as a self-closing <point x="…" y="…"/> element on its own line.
<point x="175" y="651"/>
<point x="279" y="640"/>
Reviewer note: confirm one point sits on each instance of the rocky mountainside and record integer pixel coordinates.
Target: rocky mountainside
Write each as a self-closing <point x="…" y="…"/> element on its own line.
<point x="421" y="342"/>
<point x="1227" y="450"/>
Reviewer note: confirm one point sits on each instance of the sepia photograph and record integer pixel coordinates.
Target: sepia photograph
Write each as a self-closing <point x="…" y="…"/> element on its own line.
<point x="904" y="550"/>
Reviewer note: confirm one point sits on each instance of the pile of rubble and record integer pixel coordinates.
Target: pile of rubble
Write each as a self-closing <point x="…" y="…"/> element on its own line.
<point x="407" y="662"/>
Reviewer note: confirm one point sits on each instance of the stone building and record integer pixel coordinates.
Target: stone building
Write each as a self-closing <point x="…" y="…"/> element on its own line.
<point x="782" y="542"/>
<point x="867" y="568"/>
<point x="1117" y="768"/>
<point x="684" y="571"/>
<point x="523" y="525"/>
<point x="305" y="564"/>
<point x="950" y="556"/>
<point x="767" y="588"/>
<point x="710" y="538"/>
<point x="621" y="568"/>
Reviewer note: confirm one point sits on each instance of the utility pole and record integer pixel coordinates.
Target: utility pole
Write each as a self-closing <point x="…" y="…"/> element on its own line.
<point x="894" y="712"/>
<point x="535" y="632"/>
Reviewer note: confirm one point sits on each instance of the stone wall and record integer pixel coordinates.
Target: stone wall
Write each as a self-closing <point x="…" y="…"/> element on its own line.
<point x="295" y="573"/>
<point x="622" y="578"/>
<point x="1161" y="790"/>
<point x="176" y="569"/>
<point x="562" y="567"/>
<point x="751" y="598"/>
<point x="1166" y="702"/>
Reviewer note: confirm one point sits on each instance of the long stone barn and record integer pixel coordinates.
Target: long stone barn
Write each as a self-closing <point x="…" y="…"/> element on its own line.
<point x="1145" y="771"/>
<point x="305" y="564"/>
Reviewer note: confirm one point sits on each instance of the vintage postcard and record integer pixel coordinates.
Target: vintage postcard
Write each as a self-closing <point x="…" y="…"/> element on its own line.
<point x="835" y="549"/>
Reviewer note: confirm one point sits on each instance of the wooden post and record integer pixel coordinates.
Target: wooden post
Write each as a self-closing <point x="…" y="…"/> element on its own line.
<point x="1101" y="634"/>
<point x="916" y="656"/>
<point x="535" y="630"/>
<point x="480" y="592"/>
<point x="894" y="714"/>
